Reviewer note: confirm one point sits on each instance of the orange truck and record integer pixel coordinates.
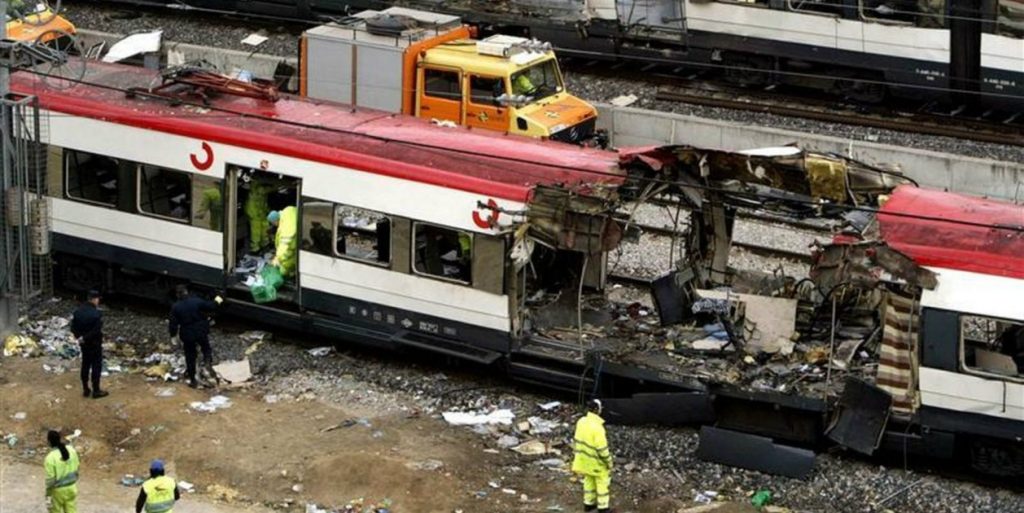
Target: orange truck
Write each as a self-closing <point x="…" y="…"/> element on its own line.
<point x="428" y="65"/>
<point x="35" y="22"/>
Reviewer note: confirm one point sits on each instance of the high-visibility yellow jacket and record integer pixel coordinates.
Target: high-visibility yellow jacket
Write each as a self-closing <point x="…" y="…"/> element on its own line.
<point x="60" y="473"/>
<point x="159" y="494"/>
<point x="592" y="456"/>
<point x="286" y="240"/>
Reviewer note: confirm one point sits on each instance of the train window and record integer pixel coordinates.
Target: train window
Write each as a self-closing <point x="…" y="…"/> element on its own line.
<point x="923" y="13"/>
<point x="442" y="252"/>
<point x="208" y="209"/>
<point x="317" y="219"/>
<point x="362" y="235"/>
<point x="165" y="193"/>
<point x="992" y="346"/>
<point x="486" y="90"/>
<point x="90" y="177"/>
<point x="442" y="84"/>
<point x="1011" y="18"/>
<point x="817" y="6"/>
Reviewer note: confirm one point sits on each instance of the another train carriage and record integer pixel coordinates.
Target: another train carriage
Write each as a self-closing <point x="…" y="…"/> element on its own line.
<point x="160" y="192"/>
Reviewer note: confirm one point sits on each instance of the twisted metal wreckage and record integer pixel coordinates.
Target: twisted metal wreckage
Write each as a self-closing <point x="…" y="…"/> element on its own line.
<point x="734" y="334"/>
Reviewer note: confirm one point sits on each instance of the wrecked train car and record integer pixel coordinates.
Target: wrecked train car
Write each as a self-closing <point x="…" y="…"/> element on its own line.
<point x="494" y="250"/>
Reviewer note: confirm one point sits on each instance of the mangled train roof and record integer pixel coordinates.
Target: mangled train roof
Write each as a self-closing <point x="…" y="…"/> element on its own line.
<point x="954" y="231"/>
<point x="498" y="165"/>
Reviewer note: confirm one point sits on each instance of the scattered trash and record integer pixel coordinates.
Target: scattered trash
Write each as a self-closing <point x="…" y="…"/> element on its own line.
<point x="215" y="403"/>
<point x="271" y="398"/>
<point x="134" y="44"/>
<point x="20" y="345"/>
<point x="160" y="370"/>
<point x="165" y="392"/>
<point x="424" y="465"/>
<point x="509" y="491"/>
<point x="76" y="434"/>
<point x="19" y="416"/>
<point x="508" y="441"/>
<point x="11" y="439"/>
<point x="761" y="498"/>
<point x="255" y="39"/>
<point x="705" y="497"/>
<point x="313" y="508"/>
<point x="550" y="406"/>
<point x="131" y="480"/>
<point x="320" y="351"/>
<point x="551" y="463"/>
<point x="234" y="372"/>
<point x="539" y="426"/>
<point x="222" y="493"/>
<point x="297" y="487"/>
<point x="703" y="508"/>
<point x="187" y="486"/>
<point x="531" y="448"/>
<point x="555" y="508"/>
<point x="458" y="418"/>
<point x="624" y="100"/>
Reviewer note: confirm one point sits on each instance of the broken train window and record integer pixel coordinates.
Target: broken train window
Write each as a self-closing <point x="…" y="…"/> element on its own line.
<point x="362" y="235"/>
<point x="92" y="178"/>
<point x="165" y="193"/>
<point x="992" y="346"/>
<point x="443" y="252"/>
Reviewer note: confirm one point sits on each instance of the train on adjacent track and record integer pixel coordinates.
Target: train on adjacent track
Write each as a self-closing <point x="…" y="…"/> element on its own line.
<point x="427" y="239"/>
<point x="956" y="52"/>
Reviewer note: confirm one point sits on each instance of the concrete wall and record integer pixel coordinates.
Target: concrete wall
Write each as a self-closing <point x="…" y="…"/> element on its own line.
<point x="982" y="177"/>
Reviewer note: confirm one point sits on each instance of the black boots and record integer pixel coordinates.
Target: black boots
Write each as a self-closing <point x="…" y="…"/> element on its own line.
<point x="96" y="394"/>
<point x="85" y="391"/>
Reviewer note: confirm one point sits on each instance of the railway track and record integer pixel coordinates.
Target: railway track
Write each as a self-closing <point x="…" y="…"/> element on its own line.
<point x="1004" y="130"/>
<point x="758" y="249"/>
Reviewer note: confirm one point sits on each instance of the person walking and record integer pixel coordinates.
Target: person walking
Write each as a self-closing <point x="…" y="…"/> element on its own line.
<point x="61" y="467"/>
<point x="158" y="493"/>
<point x="87" y="327"/>
<point x="190" y="322"/>
<point x="592" y="459"/>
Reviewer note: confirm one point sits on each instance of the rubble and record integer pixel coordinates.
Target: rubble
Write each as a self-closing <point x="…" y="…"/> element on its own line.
<point x="215" y="403"/>
<point x="457" y="418"/>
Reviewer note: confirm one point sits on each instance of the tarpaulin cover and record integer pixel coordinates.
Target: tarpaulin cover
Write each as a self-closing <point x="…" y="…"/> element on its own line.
<point x="954" y="231"/>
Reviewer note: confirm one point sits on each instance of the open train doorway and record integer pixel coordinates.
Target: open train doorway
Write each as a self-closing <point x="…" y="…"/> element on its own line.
<point x="261" y="231"/>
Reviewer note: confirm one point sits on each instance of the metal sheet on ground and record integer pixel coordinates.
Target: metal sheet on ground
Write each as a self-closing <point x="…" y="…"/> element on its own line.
<point x="753" y="452"/>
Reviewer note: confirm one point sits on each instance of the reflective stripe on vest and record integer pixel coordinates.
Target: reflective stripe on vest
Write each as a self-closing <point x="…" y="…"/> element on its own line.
<point x="159" y="494"/>
<point x="67" y="480"/>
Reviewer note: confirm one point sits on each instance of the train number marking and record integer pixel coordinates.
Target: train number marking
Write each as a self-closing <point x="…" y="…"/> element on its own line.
<point x="204" y="164"/>
<point x="492" y="218"/>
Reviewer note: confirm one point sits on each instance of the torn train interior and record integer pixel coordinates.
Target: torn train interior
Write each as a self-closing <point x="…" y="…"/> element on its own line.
<point x="855" y="312"/>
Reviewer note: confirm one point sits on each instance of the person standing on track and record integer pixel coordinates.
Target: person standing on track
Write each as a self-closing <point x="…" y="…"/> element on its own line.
<point x="593" y="460"/>
<point x="87" y="327"/>
<point x="158" y="493"/>
<point x="61" y="468"/>
<point x="190" y="322"/>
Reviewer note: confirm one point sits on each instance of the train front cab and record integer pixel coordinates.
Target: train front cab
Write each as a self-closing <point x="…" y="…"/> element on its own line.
<point x="971" y="380"/>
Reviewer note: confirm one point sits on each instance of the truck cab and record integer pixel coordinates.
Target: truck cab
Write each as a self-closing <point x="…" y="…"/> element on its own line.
<point x="501" y="83"/>
<point x="35" y="22"/>
<point x="428" y="65"/>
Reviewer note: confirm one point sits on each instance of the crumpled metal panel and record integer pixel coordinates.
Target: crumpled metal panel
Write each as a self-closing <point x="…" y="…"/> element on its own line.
<point x="561" y="219"/>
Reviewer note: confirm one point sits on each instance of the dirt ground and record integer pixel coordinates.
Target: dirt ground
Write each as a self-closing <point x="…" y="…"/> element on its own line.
<point x="258" y="454"/>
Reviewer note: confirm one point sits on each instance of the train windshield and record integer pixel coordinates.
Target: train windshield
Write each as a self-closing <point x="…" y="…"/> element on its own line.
<point x="19" y="9"/>
<point x="538" y="81"/>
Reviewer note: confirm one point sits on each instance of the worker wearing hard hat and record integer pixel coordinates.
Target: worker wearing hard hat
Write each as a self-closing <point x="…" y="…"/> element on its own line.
<point x="158" y="493"/>
<point x="61" y="466"/>
<point x="593" y="460"/>
<point x="286" y="239"/>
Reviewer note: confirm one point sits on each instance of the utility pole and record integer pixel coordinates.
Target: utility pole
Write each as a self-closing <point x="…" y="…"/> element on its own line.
<point x="8" y="302"/>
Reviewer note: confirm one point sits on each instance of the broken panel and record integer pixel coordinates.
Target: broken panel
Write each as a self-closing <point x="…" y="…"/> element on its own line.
<point x="860" y="417"/>
<point x="754" y="453"/>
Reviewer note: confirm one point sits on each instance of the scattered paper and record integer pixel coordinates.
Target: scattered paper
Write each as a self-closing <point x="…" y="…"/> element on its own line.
<point x="624" y="100"/>
<point x="234" y="372"/>
<point x="215" y="403"/>
<point x="459" y="418"/>
<point x="320" y="351"/>
<point x="134" y="45"/>
<point x="255" y="39"/>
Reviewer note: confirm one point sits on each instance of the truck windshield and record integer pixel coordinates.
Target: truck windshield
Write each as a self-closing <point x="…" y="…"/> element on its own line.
<point x="538" y="81"/>
<point x="20" y="8"/>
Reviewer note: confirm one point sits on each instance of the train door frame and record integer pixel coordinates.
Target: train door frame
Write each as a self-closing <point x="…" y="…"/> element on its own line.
<point x="232" y="179"/>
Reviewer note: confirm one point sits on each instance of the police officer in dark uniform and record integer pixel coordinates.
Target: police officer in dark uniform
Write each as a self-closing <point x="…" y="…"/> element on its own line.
<point x="87" y="327"/>
<point x="190" y="322"/>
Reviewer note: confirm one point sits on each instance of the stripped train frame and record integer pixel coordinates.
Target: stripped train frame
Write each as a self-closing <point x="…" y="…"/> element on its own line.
<point x="440" y="182"/>
<point x="862" y="49"/>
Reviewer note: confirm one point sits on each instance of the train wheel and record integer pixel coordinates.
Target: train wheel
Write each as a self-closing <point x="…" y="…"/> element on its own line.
<point x="860" y="91"/>
<point x="997" y="457"/>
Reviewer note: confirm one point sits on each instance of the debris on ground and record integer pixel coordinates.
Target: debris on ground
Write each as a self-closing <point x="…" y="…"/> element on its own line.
<point x="132" y="480"/>
<point x="234" y="372"/>
<point x="215" y="403"/>
<point x="21" y="345"/>
<point x="458" y="418"/>
<point x="320" y="351"/>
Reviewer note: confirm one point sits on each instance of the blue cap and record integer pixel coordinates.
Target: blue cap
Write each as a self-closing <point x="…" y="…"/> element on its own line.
<point x="157" y="465"/>
<point x="274" y="216"/>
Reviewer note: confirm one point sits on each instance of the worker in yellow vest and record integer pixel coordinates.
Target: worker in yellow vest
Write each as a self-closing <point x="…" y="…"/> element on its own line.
<point x="286" y="240"/>
<point x="61" y="466"/>
<point x="159" y="492"/>
<point x="593" y="460"/>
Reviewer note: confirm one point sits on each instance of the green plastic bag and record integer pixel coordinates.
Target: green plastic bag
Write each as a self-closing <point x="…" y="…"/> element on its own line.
<point x="761" y="499"/>
<point x="267" y="291"/>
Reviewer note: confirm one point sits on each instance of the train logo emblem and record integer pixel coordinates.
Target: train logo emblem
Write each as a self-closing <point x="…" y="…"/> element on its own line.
<point x="492" y="218"/>
<point x="204" y="164"/>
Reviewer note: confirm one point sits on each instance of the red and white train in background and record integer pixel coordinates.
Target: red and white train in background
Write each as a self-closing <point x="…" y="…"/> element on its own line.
<point x="146" y="194"/>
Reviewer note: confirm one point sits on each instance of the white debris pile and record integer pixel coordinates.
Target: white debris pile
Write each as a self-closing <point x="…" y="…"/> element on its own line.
<point x="496" y="417"/>
<point x="217" y="402"/>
